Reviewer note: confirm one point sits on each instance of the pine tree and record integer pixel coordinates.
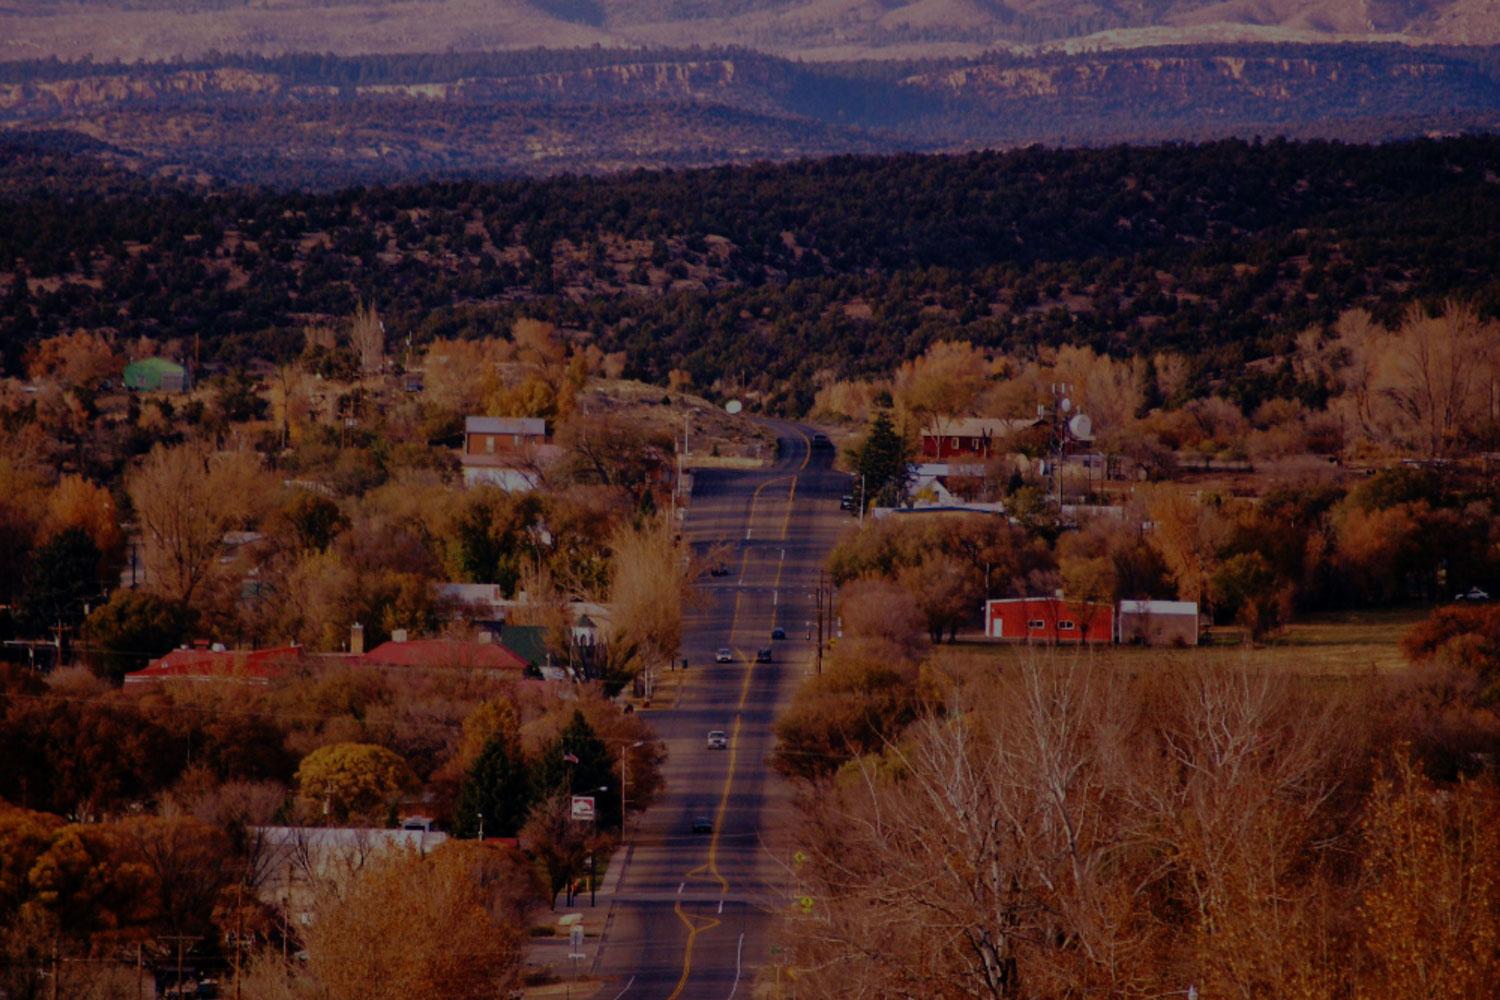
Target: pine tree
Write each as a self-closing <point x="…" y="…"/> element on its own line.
<point x="579" y="764"/>
<point x="883" y="462"/>
<point x="497" y="788"/>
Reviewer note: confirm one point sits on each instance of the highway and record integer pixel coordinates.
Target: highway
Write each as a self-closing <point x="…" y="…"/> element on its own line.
<point x="692" y="912"/>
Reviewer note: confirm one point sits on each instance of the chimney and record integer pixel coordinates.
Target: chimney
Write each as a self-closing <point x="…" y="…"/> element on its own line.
<point x="357" y="639"/>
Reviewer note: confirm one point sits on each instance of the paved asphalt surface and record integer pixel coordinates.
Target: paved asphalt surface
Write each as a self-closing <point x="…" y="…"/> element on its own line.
<point x="693" y="911"/>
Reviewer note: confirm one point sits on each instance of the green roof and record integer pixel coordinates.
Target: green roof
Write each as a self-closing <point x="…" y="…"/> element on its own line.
<point x="158" y="366"/>
<point x="153" y="373"/>
<point x="529" y="642"/>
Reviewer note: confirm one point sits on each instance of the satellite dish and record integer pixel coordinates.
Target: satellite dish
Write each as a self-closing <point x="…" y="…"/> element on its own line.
<point x="1081" y="426"/>
<point x="733" y="406"/>
<point x="1067" y="404"/>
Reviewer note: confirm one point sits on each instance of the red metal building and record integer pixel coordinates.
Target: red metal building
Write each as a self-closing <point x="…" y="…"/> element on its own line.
<point x="1049" y="620"/>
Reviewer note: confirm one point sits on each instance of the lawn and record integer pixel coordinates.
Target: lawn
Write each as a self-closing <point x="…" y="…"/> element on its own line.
<point x="1339" y="644"/>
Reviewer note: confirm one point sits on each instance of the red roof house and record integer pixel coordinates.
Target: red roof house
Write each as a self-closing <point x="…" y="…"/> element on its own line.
<point x="1049" y="620"/>
<point x="444" y="653"/>
<point x="200" y="663"/>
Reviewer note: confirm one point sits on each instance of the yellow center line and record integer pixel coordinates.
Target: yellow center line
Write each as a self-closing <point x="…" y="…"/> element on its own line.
<point x="697" y="924"/>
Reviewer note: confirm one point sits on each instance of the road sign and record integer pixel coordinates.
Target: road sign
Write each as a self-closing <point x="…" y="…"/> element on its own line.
<point x="806" y="902"/>
<point x="583" y="808"/>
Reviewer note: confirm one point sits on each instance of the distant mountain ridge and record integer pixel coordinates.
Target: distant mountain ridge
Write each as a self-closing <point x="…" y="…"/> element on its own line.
<point x="319" y="119"/>
<point x="820" y="29"/>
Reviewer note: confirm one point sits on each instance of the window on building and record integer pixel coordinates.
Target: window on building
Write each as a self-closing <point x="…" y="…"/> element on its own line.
<point x="489" y="444"/>
<point x="1036" y="623"/>
<point x="1065" y="625"/>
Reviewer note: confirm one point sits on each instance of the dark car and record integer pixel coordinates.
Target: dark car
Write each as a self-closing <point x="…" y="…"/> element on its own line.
<point x="821" y="441"/>
<point x="763" y="655"/>
<point x="702" y="824"/>
<point x="718" y="569"/>
<point x="846" y="502"/>
<point x="778" y="632"/>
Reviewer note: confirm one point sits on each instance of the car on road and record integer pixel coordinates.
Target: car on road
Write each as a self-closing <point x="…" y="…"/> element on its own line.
<point x="846" y="502"/>
<point x="718" y="740"/>
<point x="718" y="569"/>
<point x="763" y="654"/>
<point x="821" y="441"/>
<point x="724" y="655"/>
<point x="1472" y="594"/>
<point x="702" y="824"/>
<point x="778" y="632"/>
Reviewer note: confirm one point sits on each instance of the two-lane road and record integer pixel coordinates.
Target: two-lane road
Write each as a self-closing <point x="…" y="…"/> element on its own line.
<point x="692" y="911"/>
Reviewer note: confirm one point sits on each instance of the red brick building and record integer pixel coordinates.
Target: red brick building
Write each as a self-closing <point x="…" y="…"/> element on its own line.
<point x="1049" y="620"/>
<point x="970" y="439"/>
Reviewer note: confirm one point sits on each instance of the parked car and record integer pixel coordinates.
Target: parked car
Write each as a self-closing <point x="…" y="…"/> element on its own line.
<point x="1472" y="594"/>
<point x="846" y="502"/>
<point x="718" y="569"/>
<point x="763" y="654"/>
<point x="702" y="824"/>
<point x="724" y="655"/>
<point x="778" y="632"/>
<point x="718" y="740"/>
<point x="821" y="441"/>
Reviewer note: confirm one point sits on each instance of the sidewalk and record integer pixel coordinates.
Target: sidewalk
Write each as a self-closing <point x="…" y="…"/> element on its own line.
<point x="548" y="960"/>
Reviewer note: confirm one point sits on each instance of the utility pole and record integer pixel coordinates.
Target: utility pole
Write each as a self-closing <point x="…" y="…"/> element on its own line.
<point x="822" y="589"/>
<point x="861" y="499"/>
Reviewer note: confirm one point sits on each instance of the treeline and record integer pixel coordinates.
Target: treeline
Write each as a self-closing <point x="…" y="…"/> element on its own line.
<point x="326" y="68"/>
<point x="847" y="265"/>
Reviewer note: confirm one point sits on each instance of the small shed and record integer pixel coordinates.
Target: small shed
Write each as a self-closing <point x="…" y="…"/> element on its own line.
<point x="1159" y="623"/>
<point x="156" y="375"/>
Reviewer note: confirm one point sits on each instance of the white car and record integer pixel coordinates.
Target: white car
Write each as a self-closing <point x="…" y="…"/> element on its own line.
<point x="724" y="655"/>
<point x="1472" y="594"/>
<point x="718" y="740"/>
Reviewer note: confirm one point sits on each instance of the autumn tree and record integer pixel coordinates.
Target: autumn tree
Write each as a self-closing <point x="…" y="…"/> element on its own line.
<point x="78" y="360"/>
<point x="945" y="382"/>
<point x="1430" y="909"/>
<point x="648" y="591"/>
<point x="949" y="592"/>
<point x="405" y="926"/>
<point x="345" y="781"/>
<point x="185" y="499"/>
<point x="79" y="503"/>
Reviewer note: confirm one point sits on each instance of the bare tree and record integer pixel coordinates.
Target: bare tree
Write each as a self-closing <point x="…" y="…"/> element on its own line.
<point x="367" y="338"/>
<point x="1437" y="377"/>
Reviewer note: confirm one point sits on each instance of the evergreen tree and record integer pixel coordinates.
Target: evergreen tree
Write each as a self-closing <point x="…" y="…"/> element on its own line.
<point x="883" y="462"/>
<point x="497" y="788"/>
<point x="62" y="578"/>
<point x="579" y="764"/>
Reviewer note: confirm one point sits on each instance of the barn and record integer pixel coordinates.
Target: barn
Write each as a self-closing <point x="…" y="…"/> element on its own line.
<point x="1049" y="620"/>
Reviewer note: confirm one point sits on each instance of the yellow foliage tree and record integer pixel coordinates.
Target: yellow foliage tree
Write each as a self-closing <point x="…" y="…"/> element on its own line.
<point x="78" y="503"/>
<point x="1430" y="914"/>
<point x="351" y="780"/>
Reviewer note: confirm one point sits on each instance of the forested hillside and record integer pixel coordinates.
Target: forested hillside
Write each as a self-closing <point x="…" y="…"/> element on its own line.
<point x="770" y="280"/>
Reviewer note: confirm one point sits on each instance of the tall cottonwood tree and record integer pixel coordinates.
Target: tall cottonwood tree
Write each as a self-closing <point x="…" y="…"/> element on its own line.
<point x="185" y="499"/>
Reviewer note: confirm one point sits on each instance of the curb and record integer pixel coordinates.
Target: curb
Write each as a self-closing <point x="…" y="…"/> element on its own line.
<point x="616" y="872"/>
